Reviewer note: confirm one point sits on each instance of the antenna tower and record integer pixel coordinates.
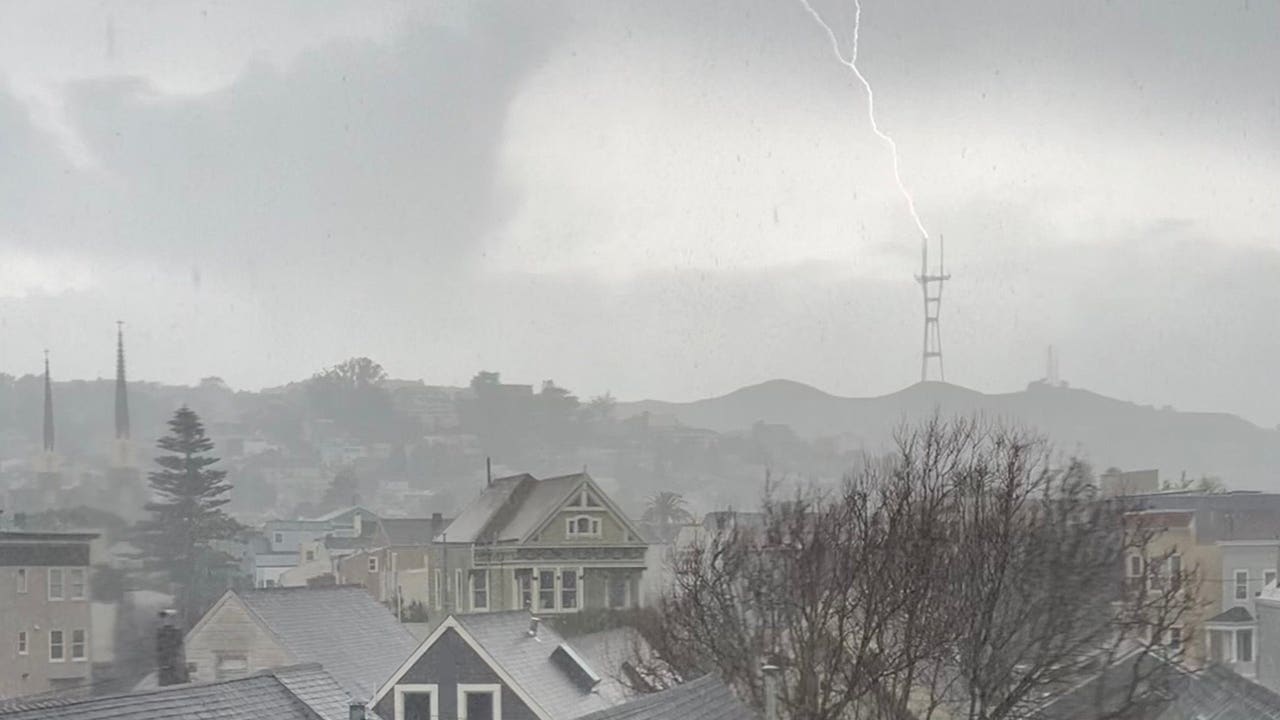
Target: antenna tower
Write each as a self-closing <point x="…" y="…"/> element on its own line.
<point x="931" y="286"/>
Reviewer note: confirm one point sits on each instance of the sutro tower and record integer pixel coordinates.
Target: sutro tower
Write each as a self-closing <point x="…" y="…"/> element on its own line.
<point x="931" y="285"/>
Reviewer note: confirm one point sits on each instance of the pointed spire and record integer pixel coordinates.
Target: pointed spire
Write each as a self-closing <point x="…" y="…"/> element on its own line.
<point x="48" y="406"/>
<point x="122" y="393"/>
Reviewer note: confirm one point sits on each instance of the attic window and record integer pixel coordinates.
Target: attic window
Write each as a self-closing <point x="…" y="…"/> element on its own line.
<point x="575" y="667"/>
<point x="582" y="526"/>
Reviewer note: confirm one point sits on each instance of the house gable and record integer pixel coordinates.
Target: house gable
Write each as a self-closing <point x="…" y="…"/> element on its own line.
<point x="228" y="633"/>
<point x="586" y="500"/>
<point x="447" y="659"/>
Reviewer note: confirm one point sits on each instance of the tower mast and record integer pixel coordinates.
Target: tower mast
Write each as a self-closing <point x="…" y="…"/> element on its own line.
<point x="931" y="288"/>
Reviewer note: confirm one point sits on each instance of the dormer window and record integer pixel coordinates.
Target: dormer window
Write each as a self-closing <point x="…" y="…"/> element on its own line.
<point x="582" y="526"/>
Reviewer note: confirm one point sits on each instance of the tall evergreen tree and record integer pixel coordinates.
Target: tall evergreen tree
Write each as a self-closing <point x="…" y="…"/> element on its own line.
<point x="187" y="516"/>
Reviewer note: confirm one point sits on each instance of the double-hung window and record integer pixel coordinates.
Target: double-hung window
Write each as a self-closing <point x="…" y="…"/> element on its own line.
<point x="76" y="581"/>
<point x="79" y="645"/>
<point x="479" y="589"/>
<point x="57" y="647"/>
<point x="1242" y="585"/>
<point x="57" y="589"/>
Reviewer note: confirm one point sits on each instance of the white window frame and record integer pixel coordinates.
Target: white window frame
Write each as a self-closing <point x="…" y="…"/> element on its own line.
<point x="70" y="576"/>
<point x="417" y="689"/>
<point x="557" y="586"/>
<point x="84" y="645"/>
<point x="435" y="591"/>
<point x="517" y="601"/>
<point x="373" y="563"/>
<point x="61" y="645"/>
<point x="1176" y="640"/>
<point x="62" y="584"/>
<point x="309" y="555"/>
<point x="1175" y="576"/>
<point x="464" y="689"/>
<point x="277" y="538"/>
<point x="24" y="646"/>
<point x="471" y="586"/>
<point x="220" y="672"/>
<point x="577" y="589"/>
<point x="1238" y="591"/>
<point x="1129" y="567"/>
<point x="595" y="531"/>
<point x="458" y="603"/>
<point x="21" y="581"/>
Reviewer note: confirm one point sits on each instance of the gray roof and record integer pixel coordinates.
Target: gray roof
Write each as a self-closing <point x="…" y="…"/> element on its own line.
<point x="249" y="698"/>
<point x="505" y="636"/>
<point x="544" y="497"/>
<point x="411" y="531"/>
<point x="706" y="698"/>
<point x="320" y="691"/>
<point x="342" y="627"/>
<point x="473" y="519"/>
<point x="1217" y="692"/>
<point x="511" y="508"/>
<point x="1237" y="614"/>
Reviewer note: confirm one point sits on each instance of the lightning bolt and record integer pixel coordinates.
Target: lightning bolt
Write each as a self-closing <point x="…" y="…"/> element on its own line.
<point x="852" y="64"/>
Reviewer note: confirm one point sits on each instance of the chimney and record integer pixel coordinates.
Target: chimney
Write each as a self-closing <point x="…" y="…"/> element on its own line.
<point x="355" y="711"/>
<point x="437" y="519"/>
<point x="771" y="673"/>
<point x="533" y="627"/>
<point x="171" y="659"/>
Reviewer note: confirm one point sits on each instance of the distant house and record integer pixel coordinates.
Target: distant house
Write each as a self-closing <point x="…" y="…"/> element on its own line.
<point x="304" y="692"/>
<point x="495" y="665"/>
<point x="557" y="545"/>
<point x="395" y="564"/>
<point x="357" y="640"/>
<point x="46" y="618"/>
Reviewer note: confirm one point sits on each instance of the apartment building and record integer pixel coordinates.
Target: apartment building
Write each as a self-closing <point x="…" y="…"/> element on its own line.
<point x="46" y="628"/>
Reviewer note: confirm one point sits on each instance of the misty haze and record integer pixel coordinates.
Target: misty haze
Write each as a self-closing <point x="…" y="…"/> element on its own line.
<point x="570" y="360"/>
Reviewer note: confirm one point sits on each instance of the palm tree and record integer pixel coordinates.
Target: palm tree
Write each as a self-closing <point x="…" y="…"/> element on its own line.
<point x="667" y="508"/>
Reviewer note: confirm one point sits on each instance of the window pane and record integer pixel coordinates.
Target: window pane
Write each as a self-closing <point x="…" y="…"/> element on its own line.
<point x="22" y="580"/>
<point x="547" y="590"/>
<point x="524" y="579"/>
<point x="1242" y="584"/>
<point x="22" y="642"/>
<point x="55" y="645"/>
<point x="1244" y="646"/>
<point x="77" y="644"/>
<point x="479" y="589"/>
<point x="479" y="706"/>
<point x="55" y="583"/>
<point x="569" y="589"/>
<point x="417" y="706"/>
<point x="77" y="584"/>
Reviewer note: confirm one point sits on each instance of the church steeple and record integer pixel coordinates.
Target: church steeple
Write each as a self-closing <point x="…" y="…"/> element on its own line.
<point x="48" y="407"/>
<point x="122" y="393"/>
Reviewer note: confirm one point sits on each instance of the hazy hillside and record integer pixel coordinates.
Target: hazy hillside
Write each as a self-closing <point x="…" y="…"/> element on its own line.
<point x="1105" y="430"/>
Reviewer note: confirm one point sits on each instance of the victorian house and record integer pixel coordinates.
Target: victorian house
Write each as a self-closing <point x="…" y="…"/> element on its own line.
<point x="556" y="545"/>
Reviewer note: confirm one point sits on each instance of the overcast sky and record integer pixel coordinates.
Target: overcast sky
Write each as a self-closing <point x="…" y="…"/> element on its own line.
<point x="658" y="199"/>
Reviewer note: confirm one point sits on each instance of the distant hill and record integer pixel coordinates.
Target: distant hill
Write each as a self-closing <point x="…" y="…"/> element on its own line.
<point x="1106" y="431"/>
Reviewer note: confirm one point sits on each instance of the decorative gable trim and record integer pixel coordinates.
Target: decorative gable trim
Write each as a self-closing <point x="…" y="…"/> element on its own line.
<point x="452" y="623"/>
<point x="606" y="503"/>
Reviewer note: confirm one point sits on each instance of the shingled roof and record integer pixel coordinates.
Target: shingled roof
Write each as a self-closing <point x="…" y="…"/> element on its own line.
<point x="342" y="627"/>
<point x="706" y="698"/>
<point x="297" y="693"/>
<point x="528" y="660"/>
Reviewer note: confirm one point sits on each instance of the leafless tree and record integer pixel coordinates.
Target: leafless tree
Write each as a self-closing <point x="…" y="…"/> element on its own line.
<point x="967" y="575"/>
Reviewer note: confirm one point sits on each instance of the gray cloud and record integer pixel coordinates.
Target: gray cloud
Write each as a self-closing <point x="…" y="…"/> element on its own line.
<point x="1105" y="171"/>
